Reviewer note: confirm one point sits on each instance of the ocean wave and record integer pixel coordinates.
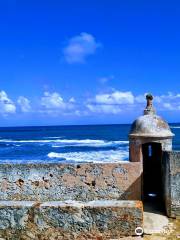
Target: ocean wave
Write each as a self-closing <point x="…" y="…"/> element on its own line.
<point x="91" y="143"/>
<point x="68" y="142"/>
<point x="174" y="126"/>
<point x="92" y="156"/>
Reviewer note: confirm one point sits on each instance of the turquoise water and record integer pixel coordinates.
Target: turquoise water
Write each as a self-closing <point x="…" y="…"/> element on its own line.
<point x="92" y="143"/>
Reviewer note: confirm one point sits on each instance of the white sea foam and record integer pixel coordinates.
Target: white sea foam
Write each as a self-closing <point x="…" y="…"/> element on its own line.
<point x="92" y="156"/>
<point x="175" y="126"/>
<point x="72" y="142"/>
<point x="53" y="140"/>
<point x="90" y="143"/>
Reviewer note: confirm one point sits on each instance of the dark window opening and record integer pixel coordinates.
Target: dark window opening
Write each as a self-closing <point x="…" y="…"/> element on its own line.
<point x="152" y="175"/>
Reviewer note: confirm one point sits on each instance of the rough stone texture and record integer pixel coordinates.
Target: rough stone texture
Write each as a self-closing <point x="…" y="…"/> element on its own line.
<point x="83" y="182"/>
<point x="69" y="220"/>
<point x="14" y="215"/>
<point x="148" y="128"/>
<point x="151" y="126"/>
<point x="135" y="146"/>
<point x="171" y="179"/>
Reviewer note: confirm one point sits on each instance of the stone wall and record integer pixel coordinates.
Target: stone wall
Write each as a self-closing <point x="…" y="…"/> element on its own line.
<point x="70" y="202"/>
<point x="83" y="182"/>
<point x="171" y="180"/>
<point x="135" y="146"/>
<point x="70" y="220"/>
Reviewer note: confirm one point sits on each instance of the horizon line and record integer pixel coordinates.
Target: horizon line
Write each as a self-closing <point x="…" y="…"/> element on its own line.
<point x="73" y="125"/>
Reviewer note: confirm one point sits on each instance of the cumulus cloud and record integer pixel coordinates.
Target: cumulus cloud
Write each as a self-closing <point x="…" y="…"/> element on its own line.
<point x="103" y="108"/>
<point x="54" y="103"/>
<point x="52" y="100"/>
<point x="24" y="104"/>
<point x="114" y="102"/>
<point x="80" y="47"/>
<point x="110" y="102"/>
<point x="6" y="104"/>
<point x="116" y="97"/>
<point x="118" y="101"/>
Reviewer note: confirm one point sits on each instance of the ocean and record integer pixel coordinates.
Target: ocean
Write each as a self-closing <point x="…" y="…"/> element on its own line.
<point x="72" y="144"/>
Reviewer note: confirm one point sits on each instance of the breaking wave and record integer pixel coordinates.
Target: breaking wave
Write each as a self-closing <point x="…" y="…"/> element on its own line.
<point x="92" y="156"/>
<point x="67" y="142"/>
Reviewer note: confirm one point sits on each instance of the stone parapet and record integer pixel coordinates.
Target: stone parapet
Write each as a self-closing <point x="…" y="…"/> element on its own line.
<point x="171" y="180"/>
<point x="81" y="182"/>
<point x="109" y="219"/>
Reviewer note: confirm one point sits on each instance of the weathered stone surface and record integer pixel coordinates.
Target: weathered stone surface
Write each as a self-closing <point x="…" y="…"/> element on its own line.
<point x="150" y="125"/>
<point x="148" y="128"/>
<point x="14" y="214"/>
<point x="171" y="179"/>
<point x="83" y="182"/>
<point x="70" y="220"/>
<point x="135" y="146"/>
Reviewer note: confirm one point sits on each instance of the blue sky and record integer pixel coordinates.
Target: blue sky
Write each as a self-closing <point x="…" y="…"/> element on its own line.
<point x="88" y="62"/>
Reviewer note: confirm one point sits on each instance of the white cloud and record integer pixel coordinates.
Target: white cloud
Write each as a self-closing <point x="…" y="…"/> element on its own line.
<point x="79" y="47"/>
<point x="53" y="103"/>
<point x="114" y="102"/>
<point x="119" y="101"/>
<point x="6" y="104"/>
<point x="52" y="100"/>
<point x="24" y="104"/>
<point x="115" y="97"/>
<point x="103" y="108"/>
<point x="110" y="103"/>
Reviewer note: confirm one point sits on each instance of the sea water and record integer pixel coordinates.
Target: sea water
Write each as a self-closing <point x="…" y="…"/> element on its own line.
<point x="72" y="144"/>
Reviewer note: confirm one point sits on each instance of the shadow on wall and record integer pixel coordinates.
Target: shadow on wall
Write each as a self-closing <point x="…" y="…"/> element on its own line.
<point x="133" y="190"/>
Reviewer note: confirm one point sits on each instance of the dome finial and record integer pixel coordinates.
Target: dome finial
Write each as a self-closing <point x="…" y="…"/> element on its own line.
<point x="149" y="107"/>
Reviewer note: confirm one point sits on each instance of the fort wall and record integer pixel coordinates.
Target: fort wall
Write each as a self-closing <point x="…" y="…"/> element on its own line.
<point x="81" y="182"/>
<point x="171" y="180"/>
<point x="70" y="201"/>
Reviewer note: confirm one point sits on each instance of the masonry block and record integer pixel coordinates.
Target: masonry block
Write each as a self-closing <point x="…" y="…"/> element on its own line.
<point x="171" y="180"/>
<point x="109" y="219"/>
<point x="81" y="182"/>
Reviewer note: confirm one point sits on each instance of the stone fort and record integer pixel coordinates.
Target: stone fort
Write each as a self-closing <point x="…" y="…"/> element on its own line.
<point x="93" y="200"/>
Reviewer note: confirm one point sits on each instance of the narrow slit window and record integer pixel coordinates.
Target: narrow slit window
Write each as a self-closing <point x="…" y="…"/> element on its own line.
<point x="150" y="151"/>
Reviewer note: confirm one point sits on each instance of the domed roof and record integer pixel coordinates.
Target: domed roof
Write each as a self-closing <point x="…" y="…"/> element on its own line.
<point x="150" y="125"/>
